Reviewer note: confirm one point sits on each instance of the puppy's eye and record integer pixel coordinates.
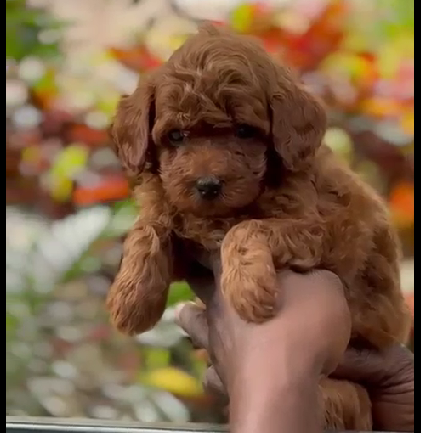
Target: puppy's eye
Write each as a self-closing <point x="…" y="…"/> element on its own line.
<point x="176" y="136"/>
<point x="245" y="132"/>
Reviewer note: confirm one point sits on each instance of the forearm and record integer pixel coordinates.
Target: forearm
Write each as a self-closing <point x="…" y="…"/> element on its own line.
<point x="284" y="395"/>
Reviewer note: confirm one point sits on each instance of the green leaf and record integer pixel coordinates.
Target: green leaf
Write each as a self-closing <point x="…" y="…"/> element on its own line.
<point x="242" y="17"/>
<point x="11" y="323"/>
<point x="155" y="357"/>
<point x="179" y="292"/>
<point x="23" y="27"/>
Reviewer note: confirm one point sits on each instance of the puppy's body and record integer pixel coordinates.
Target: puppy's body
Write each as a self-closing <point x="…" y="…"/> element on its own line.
<point x="325" y="218"/>
<point x="226" y="151"/>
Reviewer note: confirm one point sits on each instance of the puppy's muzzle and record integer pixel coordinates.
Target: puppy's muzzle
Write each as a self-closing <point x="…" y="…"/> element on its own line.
<point x="209" y="188"/>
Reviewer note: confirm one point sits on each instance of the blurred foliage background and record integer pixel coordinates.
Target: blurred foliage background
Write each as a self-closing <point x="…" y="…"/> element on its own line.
<point x="67" y="205"/>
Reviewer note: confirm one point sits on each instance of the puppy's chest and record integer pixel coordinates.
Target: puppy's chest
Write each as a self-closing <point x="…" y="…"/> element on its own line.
<point x="206" y="232"/>
<point x="211" y="232"/>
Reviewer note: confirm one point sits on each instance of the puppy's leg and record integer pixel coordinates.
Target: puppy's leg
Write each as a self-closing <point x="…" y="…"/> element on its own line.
<point x="248" y="277"/>
<point x="251" y="254"/>
<point x="138" y="296"/>
<point x="381" y="316"/>
<point x="346" y="405"/>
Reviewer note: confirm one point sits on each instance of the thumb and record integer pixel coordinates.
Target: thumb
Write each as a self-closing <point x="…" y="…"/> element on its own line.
<point x="192" y="319"/>
<point x="212" y="383"/>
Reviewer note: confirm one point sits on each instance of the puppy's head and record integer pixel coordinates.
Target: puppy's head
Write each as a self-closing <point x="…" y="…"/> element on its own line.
<point x="210" y="119"/>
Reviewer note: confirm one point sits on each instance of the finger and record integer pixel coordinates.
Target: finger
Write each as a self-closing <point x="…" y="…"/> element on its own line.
<point x="192" y="319"/>
<point x="372" y="367"/>
<point x="213" y="384"/>
<point x="359" y="366"/>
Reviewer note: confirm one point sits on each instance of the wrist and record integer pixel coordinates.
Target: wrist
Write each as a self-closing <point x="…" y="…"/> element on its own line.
<point x="275" y="397"/>
<point x="275" y="405"/>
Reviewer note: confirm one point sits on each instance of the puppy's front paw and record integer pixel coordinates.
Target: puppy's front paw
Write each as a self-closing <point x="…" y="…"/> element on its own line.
<point x="251" y="290"/>
<point x="137" y="298"/>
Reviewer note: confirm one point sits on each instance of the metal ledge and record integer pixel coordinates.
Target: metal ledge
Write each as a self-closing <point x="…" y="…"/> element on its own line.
<point x="53" y="425"/>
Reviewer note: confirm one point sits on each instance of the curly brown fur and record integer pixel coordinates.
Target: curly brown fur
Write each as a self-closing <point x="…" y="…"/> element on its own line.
<point x="347" y="406"/>
<point x="221" y="112"/>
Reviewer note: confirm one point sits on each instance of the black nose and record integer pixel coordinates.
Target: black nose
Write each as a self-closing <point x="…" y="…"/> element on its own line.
<point x="208" y="187"/>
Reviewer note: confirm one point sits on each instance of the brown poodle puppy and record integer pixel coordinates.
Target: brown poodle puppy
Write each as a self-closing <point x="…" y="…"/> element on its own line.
<point x="225" y="149"/>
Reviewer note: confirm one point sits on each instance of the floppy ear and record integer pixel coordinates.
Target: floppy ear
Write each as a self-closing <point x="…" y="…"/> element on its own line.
<point x="299" y="121"/>
<point x="131" y="129"/>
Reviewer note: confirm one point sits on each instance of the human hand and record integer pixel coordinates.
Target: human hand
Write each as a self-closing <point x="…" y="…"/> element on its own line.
<point x="274" y="367"/>
<point x="389" y="378"/>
